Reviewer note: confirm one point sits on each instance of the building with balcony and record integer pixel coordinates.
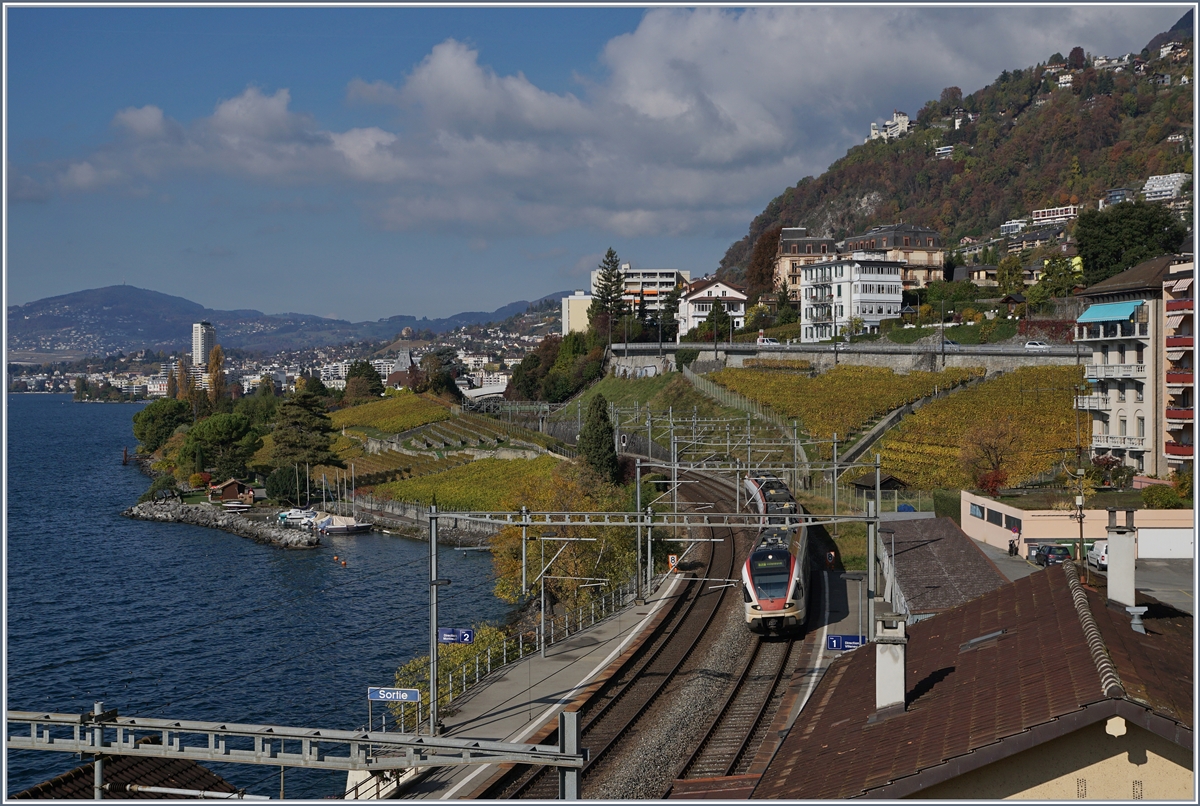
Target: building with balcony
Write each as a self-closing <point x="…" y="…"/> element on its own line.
<point x="1178" y="392"/>
<point x="1055" y="215"/>
<point x="862" y="286"/>
<point x="918" y="249"/>
<point x="797" y="248"/>
<point x="698" y="300"/>
<point x="1122" y="329"/>
<point x="647" y="286"/>
<point x="1164" y="187"/>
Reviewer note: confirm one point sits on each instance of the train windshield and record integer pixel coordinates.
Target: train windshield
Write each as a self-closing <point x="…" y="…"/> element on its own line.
<point x="770" y="572"/>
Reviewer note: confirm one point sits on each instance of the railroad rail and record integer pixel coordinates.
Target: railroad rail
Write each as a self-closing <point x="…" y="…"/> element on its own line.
<point x="616" y="708"/>
<point x="736" y="731"/>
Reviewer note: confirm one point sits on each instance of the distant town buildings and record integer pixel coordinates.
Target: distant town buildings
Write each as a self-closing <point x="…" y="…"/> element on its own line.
<point x="1055" y="215"/>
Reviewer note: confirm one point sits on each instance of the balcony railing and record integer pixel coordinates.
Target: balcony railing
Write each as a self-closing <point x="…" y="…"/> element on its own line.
<point x="1179" y="341"/>
<point x="1180" y="378"/>
<point x="1175" y="449"/>
<point x="1179" y="304"/>
<point x="1180" y="414"/>
<point x="1116" y="370"/>
<point x="1116" y="441"/>
<point x="1093" y="403"/>
<point x="1122" y="330"/>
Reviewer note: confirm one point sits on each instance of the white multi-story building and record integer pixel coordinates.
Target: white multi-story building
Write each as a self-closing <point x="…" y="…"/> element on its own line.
<point x="649" y="285"/>
<point x="1123" y="330"/>
<point x="204" y="338"/>
<point x="697" y="302"/>
<point x="892" y="129"/>
<point x="864" y="285"/>
<point x="1164" y="187"/>
<point x="1013" y="226"/>
<point x="1055" y="215"/>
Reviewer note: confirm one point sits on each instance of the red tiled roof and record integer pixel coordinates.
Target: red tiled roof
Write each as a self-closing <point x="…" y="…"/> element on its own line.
<point x="966" y="707"/>
<point x="120" y="770"/>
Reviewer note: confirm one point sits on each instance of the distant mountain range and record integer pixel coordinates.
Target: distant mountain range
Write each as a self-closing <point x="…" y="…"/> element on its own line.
<point x="123" y="318"/>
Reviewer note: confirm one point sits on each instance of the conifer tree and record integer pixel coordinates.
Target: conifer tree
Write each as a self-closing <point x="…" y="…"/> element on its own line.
<point x="596" y="441"/>
<point x="608" y="301"/>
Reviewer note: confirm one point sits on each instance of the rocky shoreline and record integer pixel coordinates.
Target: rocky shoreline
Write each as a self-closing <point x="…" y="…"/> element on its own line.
<point x="232" y="522"/>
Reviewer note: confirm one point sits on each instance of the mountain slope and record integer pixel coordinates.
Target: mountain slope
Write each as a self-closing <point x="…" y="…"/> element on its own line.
<point x="1033" y="145"/>
<point x="123" y="318"/>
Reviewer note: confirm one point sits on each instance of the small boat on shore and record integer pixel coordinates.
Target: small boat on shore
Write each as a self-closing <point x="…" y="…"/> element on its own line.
<point x="296" y="517"/>
<point x="341" y="525"/>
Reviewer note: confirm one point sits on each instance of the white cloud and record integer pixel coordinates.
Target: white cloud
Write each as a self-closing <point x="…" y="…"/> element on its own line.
<point x="702" y="116"/>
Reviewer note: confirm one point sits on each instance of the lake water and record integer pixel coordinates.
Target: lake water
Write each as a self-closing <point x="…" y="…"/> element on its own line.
<point x="168" y="620"/>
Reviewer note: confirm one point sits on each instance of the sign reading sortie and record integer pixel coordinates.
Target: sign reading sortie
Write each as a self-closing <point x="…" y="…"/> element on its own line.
<point x="393" y="694"/>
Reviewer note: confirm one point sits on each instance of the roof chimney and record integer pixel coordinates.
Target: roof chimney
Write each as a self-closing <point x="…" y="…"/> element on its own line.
<point x="890" y="642"/>
<point x="1122" y="551"/>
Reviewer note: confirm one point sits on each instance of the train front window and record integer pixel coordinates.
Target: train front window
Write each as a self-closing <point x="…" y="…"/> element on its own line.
<point x="769" y="571"/>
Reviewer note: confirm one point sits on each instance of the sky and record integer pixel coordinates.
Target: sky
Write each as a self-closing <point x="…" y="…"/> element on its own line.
<point x="360" y="163"/>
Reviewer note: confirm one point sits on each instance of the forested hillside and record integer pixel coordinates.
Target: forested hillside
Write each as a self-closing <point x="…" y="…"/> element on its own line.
<point x="1032" y="145"/>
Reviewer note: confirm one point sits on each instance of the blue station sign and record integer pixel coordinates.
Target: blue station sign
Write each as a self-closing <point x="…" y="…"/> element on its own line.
<point x="379" y="694"/>
<point x="451" y="635"/>
<point x="843" y="642"/>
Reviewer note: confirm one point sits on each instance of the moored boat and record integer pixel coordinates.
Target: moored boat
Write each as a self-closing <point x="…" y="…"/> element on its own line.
<point x="341" y="525"/>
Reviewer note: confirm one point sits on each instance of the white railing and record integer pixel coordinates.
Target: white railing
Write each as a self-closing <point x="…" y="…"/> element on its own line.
<point x="1093" y="403"/>
<point x="1115" y="370"/>
<point x="1117" y="441"/>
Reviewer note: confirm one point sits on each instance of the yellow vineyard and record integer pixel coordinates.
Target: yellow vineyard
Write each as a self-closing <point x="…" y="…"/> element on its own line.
<point x="480" y="485"/>
<point x="925" y="449"/>
<point x="842" y="400"/>
<point x="392" y="414"/>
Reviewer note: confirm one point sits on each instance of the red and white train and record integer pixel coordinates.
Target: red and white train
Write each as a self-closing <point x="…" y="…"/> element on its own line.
<point x="775" y="575"/>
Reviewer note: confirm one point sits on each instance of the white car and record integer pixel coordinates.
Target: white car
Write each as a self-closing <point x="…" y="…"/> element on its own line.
<point x="1098" y="555"/>
<point x="767" y="340"/>
<point x="1038" y="346"/>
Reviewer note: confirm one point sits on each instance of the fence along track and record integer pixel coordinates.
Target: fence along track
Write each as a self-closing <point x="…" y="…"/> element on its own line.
<point x="615" y="709"/>
<point x="737" y="729"/>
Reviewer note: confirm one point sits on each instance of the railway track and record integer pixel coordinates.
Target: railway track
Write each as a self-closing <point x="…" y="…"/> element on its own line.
<point x="737" y="730"/>
<point x="614" y="712"/>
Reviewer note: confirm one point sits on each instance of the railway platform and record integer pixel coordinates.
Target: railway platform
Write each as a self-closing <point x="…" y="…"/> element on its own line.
<point x="521" y="703"/>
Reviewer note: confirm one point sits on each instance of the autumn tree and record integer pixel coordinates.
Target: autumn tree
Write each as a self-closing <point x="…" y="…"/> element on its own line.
<point x="372" y="385"/>
<point x="226" y="441"/>
<point x="1010" y="275"/>
<point x="987" y="449"/>
<point x="216" y="376"/>
<point x="760" y="273"/>
<point x="154" y="425"/>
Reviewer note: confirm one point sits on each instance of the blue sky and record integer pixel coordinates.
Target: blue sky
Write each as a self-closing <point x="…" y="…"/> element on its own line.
<point x="366" y="162"/>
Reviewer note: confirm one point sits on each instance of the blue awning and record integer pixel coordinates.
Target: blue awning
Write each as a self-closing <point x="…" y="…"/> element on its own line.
<point x="1110" y="312"/>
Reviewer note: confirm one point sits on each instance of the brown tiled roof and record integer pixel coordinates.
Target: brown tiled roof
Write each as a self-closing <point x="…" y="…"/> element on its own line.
<point x="1145" y="276"/>
<point x="120" y="770"/>
<point x="969" y="706"/>
<point x="938" y="566"/>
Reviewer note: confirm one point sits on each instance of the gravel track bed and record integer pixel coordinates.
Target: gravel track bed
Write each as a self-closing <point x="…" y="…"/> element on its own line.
<point x="678" y="721"/>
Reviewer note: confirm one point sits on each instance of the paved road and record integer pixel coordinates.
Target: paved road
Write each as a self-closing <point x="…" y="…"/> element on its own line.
<point x="1013" y="568"/>
<point x="1170" y="581"/>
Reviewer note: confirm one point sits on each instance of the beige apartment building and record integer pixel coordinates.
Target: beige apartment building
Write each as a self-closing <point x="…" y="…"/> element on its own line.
<point x="1178" y="392"/>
